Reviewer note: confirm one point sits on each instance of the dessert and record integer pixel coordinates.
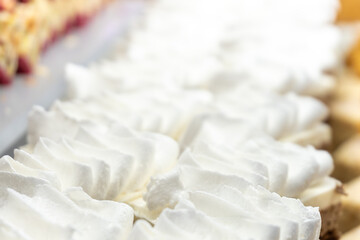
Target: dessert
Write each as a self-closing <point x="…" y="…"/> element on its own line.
<point x="158" y="110"/>
<point x="346" y="158"/>
<point x="197" y="128"/>
<point x="344" y="114"/>
<point x="232" y="211"/>
<point x="287" y="117"/>
<point x="260" y="162"/>
<point x="172" y="111"/>
<point x="260" y="47"/>
<point x="108" y="162"/>
<point x="218" y="128"/>
<point x="8" y="60"/>
<point x="53" y="125"/>
<point x="32" y="209"/>
<point x="350" y="217"/>
<point x="29" y="27"/>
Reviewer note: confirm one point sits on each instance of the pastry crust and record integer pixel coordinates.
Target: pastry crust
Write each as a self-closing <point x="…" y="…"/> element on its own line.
<point x="347" y="160"/>
<point x="329" y="222"/>
<point x="350" y="216"/>
<point x="318" y="136"/>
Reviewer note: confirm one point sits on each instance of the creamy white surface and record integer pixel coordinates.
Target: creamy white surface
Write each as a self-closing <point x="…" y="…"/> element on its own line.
<point x="283" y="125"/>
<point x="267" y="44"/>
<point x="240" y="52"/>
<point x="108" y="162"/>
<point x="282" y="115"/>
<point x="284" y="168"/>
<point x="231" y="210"/>
<point x="33" y="210"/>
<point x="166" y="111"/>
<point x="174" y="112"/>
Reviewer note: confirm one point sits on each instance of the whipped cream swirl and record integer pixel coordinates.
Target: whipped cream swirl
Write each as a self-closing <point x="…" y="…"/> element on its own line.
<point x="32" y="209"/>
<point x="233" y="209"/>
<point x="108" y="162"/>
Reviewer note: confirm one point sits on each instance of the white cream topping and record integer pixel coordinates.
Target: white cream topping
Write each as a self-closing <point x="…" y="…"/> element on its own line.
<point x="284" y="168"/>
<point x="31" y="209"/>
<point x="158" y="110"/>
<point x="288" y="168"/>
<point x="283" y="124"/>
<point x="283" y="115"/>
<point x="169" y="111"/>
<point x="108" y="162"/>
<point x="266" y="44"/>
<point x="216" y="191"/>
<point x="234" y="209"/>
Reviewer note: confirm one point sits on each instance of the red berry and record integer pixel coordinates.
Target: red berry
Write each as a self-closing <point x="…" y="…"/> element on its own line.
<point x="24" y="65"/>
<point x="5" y="78"/>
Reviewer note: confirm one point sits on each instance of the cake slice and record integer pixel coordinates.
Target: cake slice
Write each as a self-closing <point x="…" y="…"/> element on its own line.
<point x="8" y="56"/>
<point x="8" y="61"/>
<point x="24" y="36"/>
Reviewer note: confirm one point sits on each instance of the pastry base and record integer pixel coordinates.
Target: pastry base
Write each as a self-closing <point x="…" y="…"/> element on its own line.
<point x="318" y="136"/>
<point x="343" y="129"/>
<point x="347" y="160"/>
<point x="350" y="216"/>
<point x="329" y="222"/>
<point x="354" y="234"/>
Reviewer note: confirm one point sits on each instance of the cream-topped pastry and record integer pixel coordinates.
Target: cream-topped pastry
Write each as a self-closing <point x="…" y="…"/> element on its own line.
<point x="169" y="111"/>
<point x="225" y="93"/>
<point x="284" y="168"/>
<point x="231" y="210"/>
<point x="166" y="111"/>
<point x="108" y="162"/>
<point x="284" y="116"/>
<point x="218" y="128"/>
<point x="271" y="58"/>
<point x="32" y="209"/>
<point x="245" y="45"/>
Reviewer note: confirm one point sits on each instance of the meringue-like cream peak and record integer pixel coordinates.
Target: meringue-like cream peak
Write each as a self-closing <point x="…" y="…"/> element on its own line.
<point x="287" y="169"/>
<point x="283" y="115"/>
<point x="166" y="111"/>
<point x="231" y="210"/>
<point x="173" y="112"/>
<point x="108" y="162"/>
<point x="284" y="124"/>
<point x="31" y="209"/>
<point x="270" y="45"/>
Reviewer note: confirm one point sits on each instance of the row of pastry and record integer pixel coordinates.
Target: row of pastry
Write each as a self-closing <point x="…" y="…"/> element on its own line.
<point x="29" y="27"/>
<point x="345" y="121"/>
<point x="241" y="169"/>
<point x="198" y="125"/>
